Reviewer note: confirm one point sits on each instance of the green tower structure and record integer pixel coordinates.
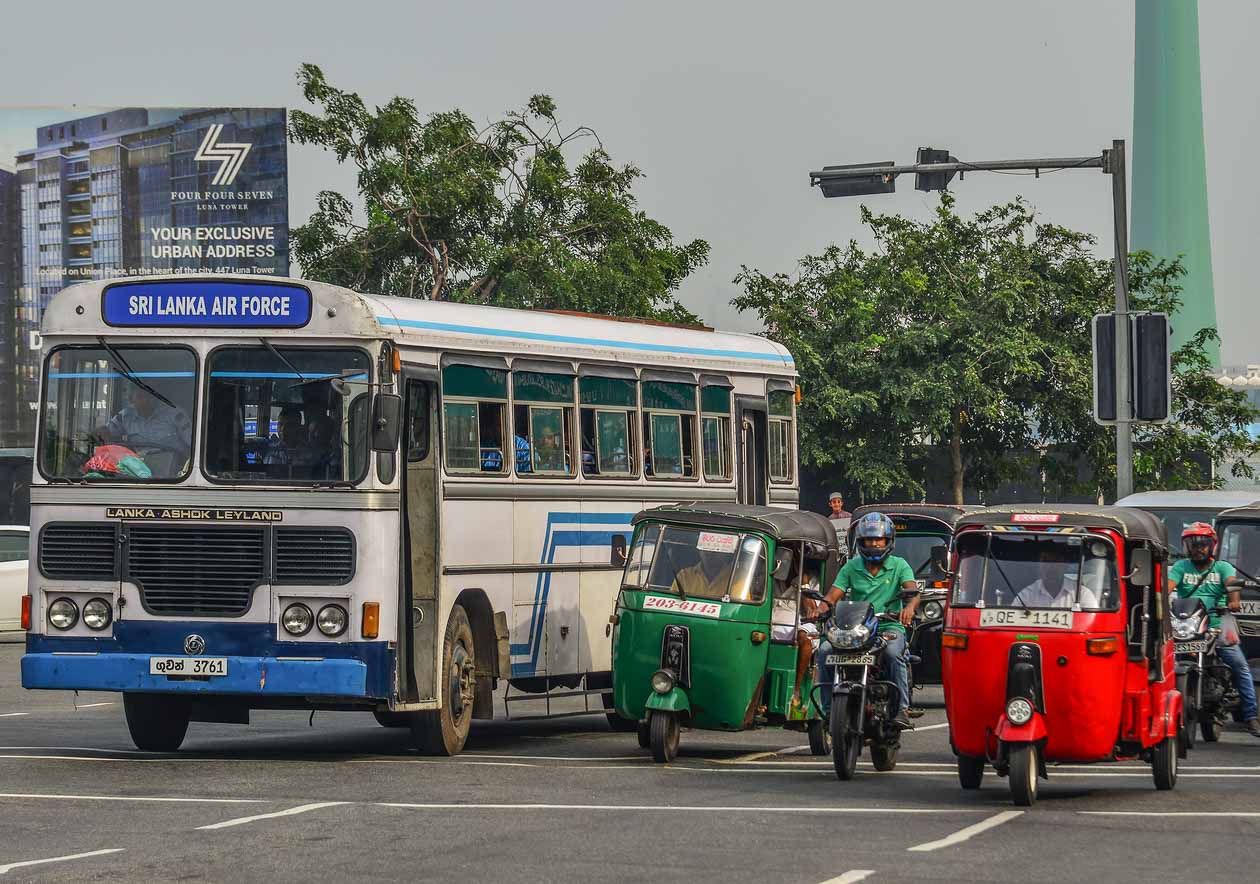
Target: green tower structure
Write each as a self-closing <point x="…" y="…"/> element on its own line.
<point x="1169" y="215"/>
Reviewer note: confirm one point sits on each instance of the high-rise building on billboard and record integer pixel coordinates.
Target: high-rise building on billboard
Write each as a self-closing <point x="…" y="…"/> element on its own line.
<point x="132" y="192"/>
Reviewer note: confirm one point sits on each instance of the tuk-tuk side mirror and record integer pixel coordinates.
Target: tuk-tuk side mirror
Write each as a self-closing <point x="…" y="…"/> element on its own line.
<point x="940" y="558"/>
<point x="1141" y="567"/>
<point x="618" y="552"/>
<point x="386" y="421"/>
<point x="782" y="565"/>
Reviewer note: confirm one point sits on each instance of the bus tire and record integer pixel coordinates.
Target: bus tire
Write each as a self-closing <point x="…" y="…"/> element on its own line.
<point x="444" y="731"/>
<point x="393" y="719"/>
<point x="156" y="722"/>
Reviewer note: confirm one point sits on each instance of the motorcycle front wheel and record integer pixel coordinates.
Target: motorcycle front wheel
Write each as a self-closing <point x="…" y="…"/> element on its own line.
<point x="845" y="745"/>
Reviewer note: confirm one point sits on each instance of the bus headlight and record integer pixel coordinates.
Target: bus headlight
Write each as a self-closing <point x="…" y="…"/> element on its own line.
<point x="662" y="681"/>
<point x="63" y="614"/>
<point x="1019" y="711"/>
<point x="297" y="619"/>
<point x="97" y="614"/>
<point x="332" y="620"/>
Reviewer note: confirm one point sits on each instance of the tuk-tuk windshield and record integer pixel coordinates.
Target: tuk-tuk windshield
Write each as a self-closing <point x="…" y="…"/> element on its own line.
<point x="1179" y="519"/>
<point x="1240" y="546"/>
<point x="698" y="563"/>
<point x="925" y="553"/>
<point x="1035" y="571"/>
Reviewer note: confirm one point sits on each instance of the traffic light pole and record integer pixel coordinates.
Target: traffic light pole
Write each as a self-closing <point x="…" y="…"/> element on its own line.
<point x="1111" y="162"/>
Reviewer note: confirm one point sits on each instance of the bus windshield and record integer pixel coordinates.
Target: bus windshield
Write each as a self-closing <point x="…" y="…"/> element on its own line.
<point x="287" y="414"/>
<point x="695" y="563"/>
<point x="118" y="413"/>
<point x="1041" y="571"/>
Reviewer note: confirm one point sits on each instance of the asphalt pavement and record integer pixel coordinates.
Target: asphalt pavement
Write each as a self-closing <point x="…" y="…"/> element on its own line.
<point x="289" y="798"/>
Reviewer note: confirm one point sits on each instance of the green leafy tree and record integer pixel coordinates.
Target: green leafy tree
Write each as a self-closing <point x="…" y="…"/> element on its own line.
<point x="496" y="215"/>
<point x="973" y="334"/>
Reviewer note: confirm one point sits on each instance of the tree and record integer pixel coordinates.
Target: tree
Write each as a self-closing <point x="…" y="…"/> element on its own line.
<point x="974" y="334"/>
<point x="493" y="215"/>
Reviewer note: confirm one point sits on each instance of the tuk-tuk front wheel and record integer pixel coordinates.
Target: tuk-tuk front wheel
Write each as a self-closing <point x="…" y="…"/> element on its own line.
<point x="1164" y="764"/>
<point x="664" y="735"/>
<point x="970" y="771"/>
<point x="845" y="744"/>
<point x="644" y="734"/>
<point x="819" y="737"/>
<point x="1023" y="774"/>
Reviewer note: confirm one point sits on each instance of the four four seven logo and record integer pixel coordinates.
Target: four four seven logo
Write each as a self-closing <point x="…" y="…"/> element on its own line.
<point x="230" y="157"/>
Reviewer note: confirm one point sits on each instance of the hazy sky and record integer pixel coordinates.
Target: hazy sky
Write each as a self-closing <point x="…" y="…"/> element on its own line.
<point x="725" y="105"/>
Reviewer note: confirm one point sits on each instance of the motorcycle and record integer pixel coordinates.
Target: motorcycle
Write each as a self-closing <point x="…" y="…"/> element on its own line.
<point x="1205" y="682"/>
<point x="862" y="706"/>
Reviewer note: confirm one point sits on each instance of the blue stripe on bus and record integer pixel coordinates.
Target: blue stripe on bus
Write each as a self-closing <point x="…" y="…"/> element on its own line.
<point x="115" y="374"/>
<point x="569" y="339"/>
<point x="553" y="538"/>
<point x="285" y="374"/>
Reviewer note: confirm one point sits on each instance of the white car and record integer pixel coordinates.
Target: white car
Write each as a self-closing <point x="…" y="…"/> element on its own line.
<point x="15" y="541"/>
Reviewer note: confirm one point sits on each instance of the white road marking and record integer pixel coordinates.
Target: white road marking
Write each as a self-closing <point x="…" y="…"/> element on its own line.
<point x="302" y="808"/>
<point x="558" y="757"/>
<point x="8" y="867"/>
<point x="968" y="833"/>
<point x="133" y="798"/>
<point x="63" y="758"/>
<point x="1211" y="813"/>
<point x="637" y="808"/>
<point x="926" y="727"/>
<point x="435" y="761"/>
<point x="851" y="877"/>
<point x="93" y="705"/>
<point x="13" y="714"/>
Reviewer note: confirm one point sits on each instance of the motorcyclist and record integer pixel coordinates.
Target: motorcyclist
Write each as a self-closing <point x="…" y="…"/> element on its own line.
<point x="877" y="576"/>
<point x="1201" y="575"/>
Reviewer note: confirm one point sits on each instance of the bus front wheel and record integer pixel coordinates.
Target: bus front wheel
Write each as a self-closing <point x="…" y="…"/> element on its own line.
<point x="444" y="731"/>
<point x="157" y="722"/>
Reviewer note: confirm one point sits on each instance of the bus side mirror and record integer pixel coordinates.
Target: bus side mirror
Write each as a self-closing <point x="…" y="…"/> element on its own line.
<point x="386" y="421"/>
<point x="1141" y="567"/>
<point x="782" y="565"/>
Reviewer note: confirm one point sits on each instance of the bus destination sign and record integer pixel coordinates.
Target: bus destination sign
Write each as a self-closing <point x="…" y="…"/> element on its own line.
<point x="185" y="514"/>
<point x="206" y="304"/>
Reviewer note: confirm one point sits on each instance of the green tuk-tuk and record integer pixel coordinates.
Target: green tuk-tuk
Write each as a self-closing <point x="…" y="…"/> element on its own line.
<point x="708" y="633"/>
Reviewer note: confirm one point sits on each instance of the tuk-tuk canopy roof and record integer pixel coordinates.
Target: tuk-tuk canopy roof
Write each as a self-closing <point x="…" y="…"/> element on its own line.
<point x="1135" y="524"/>
<point x="791" y="525"/>
<point x="948" y="513"/>
<point x="1251" y="511"/>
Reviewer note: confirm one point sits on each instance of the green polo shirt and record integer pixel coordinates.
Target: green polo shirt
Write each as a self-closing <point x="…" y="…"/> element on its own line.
<point x="1208" y="584"/>
<point x="883" y="589"/>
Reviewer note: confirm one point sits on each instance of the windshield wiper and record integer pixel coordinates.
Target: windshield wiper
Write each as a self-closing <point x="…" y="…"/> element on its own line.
<point x="130" y="375"/>
<point x="988" y="554"/>
<point x="289" y="365"/>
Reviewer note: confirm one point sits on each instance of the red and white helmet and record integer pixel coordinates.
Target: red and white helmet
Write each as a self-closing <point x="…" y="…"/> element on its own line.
<point x="1199" y="541"/>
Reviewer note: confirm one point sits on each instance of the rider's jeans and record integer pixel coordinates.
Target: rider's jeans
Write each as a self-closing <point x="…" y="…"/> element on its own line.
<point x="1236" y="660"/>
<point x="894" y="654"/>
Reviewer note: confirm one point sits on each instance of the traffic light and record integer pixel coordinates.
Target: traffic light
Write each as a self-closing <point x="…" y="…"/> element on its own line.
<point x="933" y="180"/>
<point x="877" y="183"/>
<point x="1150" y="361"/>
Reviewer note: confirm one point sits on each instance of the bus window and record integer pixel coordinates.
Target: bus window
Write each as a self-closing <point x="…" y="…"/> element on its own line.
<point x="715" y="432"/>
<point x="474" y="411"/>
<point x="779" y="445"/>
<point x="607" y="426"/>
<point x="669" y="430"/>
<point x="542" y="423"/>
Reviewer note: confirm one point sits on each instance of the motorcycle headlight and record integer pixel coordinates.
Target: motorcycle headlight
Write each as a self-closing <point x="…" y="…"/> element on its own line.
<point x="662" y="681"/>
<point x="1184" y="629"/>
<point x="1019" y="711"/>
<point x="933" y="611"/>
<point x="848" y="638"/>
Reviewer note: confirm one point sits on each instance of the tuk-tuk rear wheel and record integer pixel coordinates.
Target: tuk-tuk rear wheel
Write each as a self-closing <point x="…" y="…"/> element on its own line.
<point x="664" y="736"/>
<point x="970" y="771"/>
<point x="819" y="737"/>
<point x="1209" y="726"/>
<point x="1023" y="767"/>
<point x="645" y="735"/>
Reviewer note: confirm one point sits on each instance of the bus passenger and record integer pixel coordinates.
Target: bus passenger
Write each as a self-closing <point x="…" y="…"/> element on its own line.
<point x="147" y="424"/>
<point x="292" y="436"/>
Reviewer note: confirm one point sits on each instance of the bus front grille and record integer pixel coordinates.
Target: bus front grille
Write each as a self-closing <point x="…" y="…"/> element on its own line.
<point x="195" y="570"/>
<point x="79" y="551"/>
<point x="314" y="556"/>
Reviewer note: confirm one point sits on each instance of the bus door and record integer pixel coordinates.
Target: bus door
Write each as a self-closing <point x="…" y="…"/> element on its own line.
<point x="750" y="469"/>
<point x="418" y="642"/>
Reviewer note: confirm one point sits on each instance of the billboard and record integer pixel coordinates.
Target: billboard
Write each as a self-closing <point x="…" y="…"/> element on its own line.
<point x="127" y="193"/>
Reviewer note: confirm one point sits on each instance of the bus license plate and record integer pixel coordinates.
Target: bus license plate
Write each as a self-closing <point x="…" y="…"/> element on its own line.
<point x="850" y="659"/>
<point x="1022" y="618"/>
<point x="1195" y="647"/>
<point x="188" y="666"/>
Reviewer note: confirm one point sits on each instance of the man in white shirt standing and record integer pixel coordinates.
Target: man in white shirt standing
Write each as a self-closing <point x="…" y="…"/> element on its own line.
<point x="1056" y="588"/>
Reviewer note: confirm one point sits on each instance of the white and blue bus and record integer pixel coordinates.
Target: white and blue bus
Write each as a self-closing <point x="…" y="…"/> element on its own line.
<point x="277" y="494"/>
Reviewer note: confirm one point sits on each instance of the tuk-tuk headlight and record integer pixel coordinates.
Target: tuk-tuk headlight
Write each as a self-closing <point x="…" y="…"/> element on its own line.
<point x="848" y="638"/>
<point x="1185" y="629"/>
<point x="1019" y="711"/>
<point x="662" y="681"/>
<point x="932" y="611"/>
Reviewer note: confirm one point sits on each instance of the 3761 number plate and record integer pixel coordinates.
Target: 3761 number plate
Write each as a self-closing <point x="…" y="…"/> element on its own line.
<point x="188" y="665"/>
<point x="1022" y="618"/>
<point x="850" y="659"/>
<point x="1193" y="647"/>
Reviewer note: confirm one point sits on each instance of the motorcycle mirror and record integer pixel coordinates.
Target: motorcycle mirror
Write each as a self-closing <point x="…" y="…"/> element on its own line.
<point x="1141" y="567"/>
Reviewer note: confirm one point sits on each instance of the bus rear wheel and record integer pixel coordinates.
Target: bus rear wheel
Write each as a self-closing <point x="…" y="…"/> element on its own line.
<point x="444" y="731"/>
<point x="156" y="722"/>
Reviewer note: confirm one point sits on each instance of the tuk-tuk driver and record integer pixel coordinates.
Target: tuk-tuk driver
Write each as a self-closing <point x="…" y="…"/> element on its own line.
<point x="1055" y="587"/>
<point x="707" y="578"/>
<point x="1201" y="575"/>
<point x="877" y="576"/>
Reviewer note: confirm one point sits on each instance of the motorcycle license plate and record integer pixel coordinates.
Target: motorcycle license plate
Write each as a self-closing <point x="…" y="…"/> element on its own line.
<point x="850" y="659"/>
<point x="1041" y="618"/>
<point x="1195" y="647"/>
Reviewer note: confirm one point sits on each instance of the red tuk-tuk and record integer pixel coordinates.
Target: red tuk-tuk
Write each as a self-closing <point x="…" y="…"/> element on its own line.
<point x="1057" y="643"/>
